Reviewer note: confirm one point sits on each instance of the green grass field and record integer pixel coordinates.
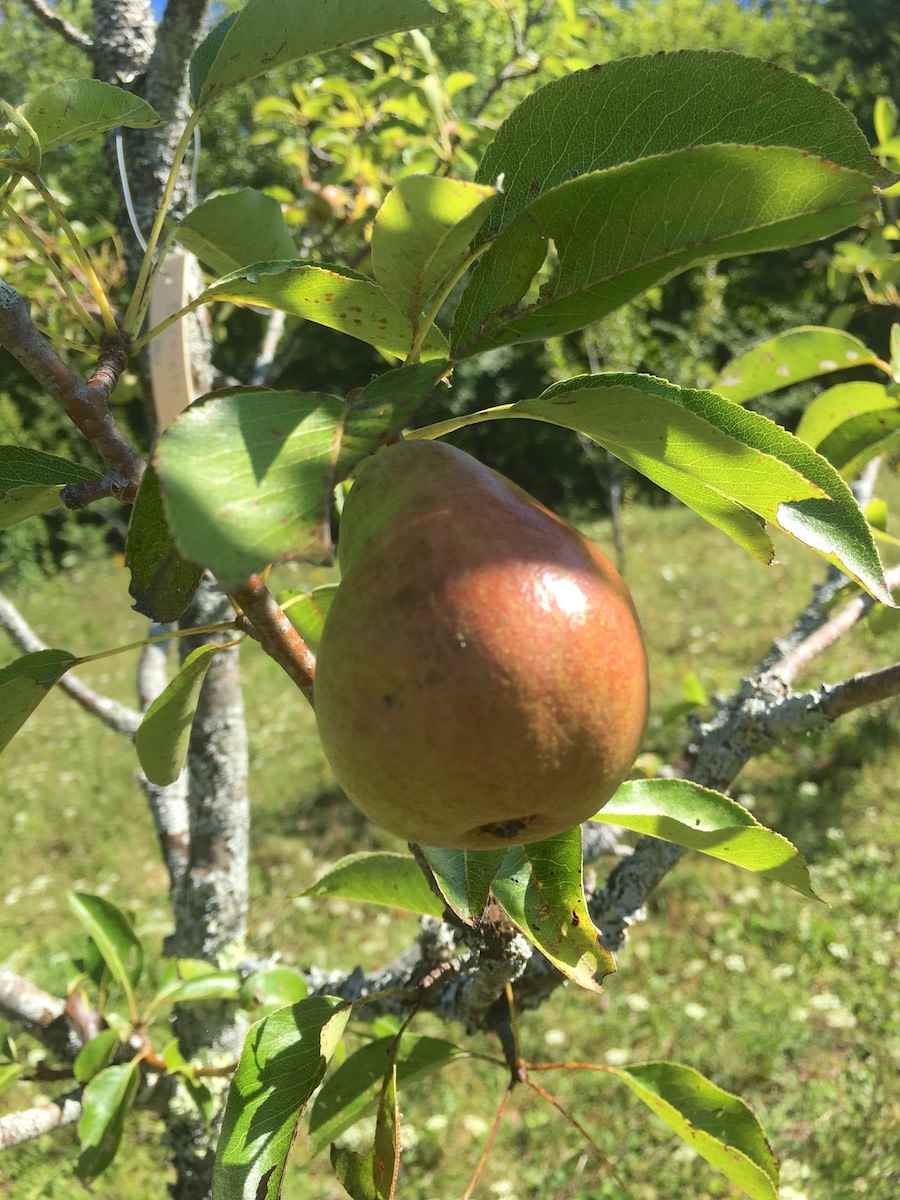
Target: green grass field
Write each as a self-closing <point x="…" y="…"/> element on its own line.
<point x="793" y="1005"/>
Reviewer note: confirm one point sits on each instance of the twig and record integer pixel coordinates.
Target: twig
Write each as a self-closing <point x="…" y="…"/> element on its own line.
<point x="60" y="272"/>
<point x="111" y="486"/>
<point x="19" y="1127"/>
<point x="490" y="1142"/>
<point x="580" y="1129"/>
<point x="858" y="692"/>
<point x="830" y="631"/>
<point x="277" y="635"/>
<point x="508" y="71"/>
<point x="66" y="30"/>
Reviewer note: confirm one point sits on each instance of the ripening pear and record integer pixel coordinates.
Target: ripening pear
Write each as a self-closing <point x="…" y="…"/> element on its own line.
<point x="481" y="678"/>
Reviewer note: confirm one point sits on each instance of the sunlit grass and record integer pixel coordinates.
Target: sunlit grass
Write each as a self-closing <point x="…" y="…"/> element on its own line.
<point x="793" y="1005"/>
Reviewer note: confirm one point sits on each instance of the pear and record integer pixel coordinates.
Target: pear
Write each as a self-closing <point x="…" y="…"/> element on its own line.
<point x="481" y="678"/>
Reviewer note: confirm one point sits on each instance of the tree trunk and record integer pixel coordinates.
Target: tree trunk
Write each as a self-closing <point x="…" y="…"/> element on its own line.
<point x="210" y="894"/>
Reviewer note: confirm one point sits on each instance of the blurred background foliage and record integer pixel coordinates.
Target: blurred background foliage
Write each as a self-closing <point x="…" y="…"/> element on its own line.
<point x="329" y="139"/>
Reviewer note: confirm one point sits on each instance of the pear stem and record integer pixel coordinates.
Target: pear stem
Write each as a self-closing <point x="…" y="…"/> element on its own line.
<point x="268" y="624"/>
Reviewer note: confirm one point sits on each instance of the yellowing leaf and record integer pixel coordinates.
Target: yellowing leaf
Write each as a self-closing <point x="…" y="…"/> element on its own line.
<point x="716" y="1124"/>
<point x="540" y="888"/>
<point x="687" y="814"/>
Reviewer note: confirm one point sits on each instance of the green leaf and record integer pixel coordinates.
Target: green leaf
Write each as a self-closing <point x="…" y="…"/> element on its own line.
<point x="839" y="404"/>
<point x="164" y="734"/>
<point x="273" y="988"/>
<point x="611" y="245"/>
<point x="379" y="877"/>
<point x="184" y="980"/>
<point x="717" y="1125"/>
<point x="719" y="460"/>
<point x="851" y="423"/>
<point x="20" y="149"/>
<point x="188" y="968"/>
<point x="329" y="295"/>
<point x="74" y="109"/>
<point x="206" y="54"/>
<point x="747" y="157"/>
<point x="802" y="353"/>
<point x="105" y="1103"/>
<point x="350" y="1092"/>
<point x="163" y="583"/>
<point x="30" y="482"/>
<point x="174" y="1059"/>
<point x="96" y="1055"/>
<point x="464" y="877"/>
<point x="283" y="1061"/>
<point x="386" y="1145"/>
<point x="247" y="474"/>
<point x="113" y="934"/>
<point x="187" y="988"/>
<point x="246" y="479"/>
<point x="217" y="985"/>
<point x="420" y="234"/>
<point x="23" y="685"/>
<point x="373" y="1176"/>
<point x="725" y="462"/>
<point x="653" y="105"/>
<point x="382" y="409"/>
<point x="9" y="1073"/>
<point x="693" y="697"/>
<point x="200" y="1094"/>
<point x="860" y="440"/>
<point x="676" y="810"/>
<point x="355" y="1172"/>
<point x="307" y="611"/>
<point x="540" y="887"/>
<point x="884" y="118"/>
<point x="268" y="34"/>
<point x="228" y="232"/>
<point x="877" y="513"/>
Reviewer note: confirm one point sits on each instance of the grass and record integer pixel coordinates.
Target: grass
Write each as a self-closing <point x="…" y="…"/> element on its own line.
<point x="791" y="1004"/>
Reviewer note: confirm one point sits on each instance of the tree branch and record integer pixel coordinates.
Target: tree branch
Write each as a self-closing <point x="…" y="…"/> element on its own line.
<point x="276" y="634"/>
<point x="19" y="1127"/>
<point x="66" y="30"/>
<point x="23" y="1001"/>
<point x="112" y="486"/>
<point x="859" y="692"/>
<point x="45" y="1017"/>
<point x="168" y="804"/>
<point x="118" y="717"/>
<point x="85" y="404"/>
<point x="827" y="631"/>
